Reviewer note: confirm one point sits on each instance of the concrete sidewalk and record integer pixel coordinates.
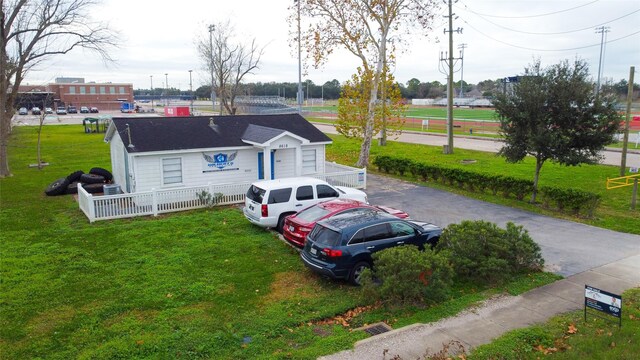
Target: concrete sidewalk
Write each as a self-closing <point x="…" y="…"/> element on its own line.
<point x="494" y="317"/>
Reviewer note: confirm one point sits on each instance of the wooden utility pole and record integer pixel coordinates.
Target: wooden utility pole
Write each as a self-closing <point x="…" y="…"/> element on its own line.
<point x="625" y="141"/>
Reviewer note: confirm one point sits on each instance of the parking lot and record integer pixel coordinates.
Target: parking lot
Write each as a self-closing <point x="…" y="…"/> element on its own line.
<point x="568" y="247"/>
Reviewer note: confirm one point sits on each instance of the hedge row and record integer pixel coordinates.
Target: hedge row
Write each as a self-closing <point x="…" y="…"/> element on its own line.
<point x="570" y="200"/>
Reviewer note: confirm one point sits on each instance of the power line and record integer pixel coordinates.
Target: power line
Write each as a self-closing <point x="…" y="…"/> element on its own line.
<point x="556" y="33"/>
<point x="550" y="50"/>
<point x="529" y="16"/>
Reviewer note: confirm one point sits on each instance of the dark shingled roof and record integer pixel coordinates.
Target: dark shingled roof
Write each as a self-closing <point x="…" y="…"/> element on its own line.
<point x="260" y="134"/>
<point x="182" y="133"/>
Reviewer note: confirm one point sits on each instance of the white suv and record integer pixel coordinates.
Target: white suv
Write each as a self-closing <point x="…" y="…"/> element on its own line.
<point x="268" y="202"/>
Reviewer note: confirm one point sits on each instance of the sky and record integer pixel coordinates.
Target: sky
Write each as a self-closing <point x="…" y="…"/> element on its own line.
<point x="502" y="37"/>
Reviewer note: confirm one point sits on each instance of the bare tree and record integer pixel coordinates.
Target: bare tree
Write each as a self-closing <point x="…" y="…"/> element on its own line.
<point x="370" y="30"/>
<point x="34" y="31"/>
<point x="229" y="62"/>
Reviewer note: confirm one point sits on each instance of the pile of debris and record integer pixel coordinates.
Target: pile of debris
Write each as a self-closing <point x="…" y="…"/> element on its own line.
<point x="92" y="182"/>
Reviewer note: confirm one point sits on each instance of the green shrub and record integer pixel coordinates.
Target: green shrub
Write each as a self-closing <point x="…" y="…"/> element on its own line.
<point x="577" y="201"/>
<point x="481" y="251"/>
<point x="406" y="274"/>
<point x="574" y="200"/>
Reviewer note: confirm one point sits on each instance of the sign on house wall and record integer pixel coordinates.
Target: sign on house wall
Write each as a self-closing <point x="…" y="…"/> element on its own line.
<point x="220" y="161"/>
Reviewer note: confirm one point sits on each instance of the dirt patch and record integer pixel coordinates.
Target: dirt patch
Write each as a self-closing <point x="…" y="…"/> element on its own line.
<point x="193" y="312"/>
<point x="45" y="322"/>
<point x="345" y="318"/>
<point x="139" y="316"/>
<point x="291" y="285"/>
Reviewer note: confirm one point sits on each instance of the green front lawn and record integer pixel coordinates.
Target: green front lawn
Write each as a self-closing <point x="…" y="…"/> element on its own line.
<point x="197" y="284"/>
<point x="613" y="213"/>
<point x="568" y="336"/>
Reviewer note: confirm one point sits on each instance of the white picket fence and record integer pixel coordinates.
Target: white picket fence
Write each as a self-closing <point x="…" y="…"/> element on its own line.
<point x="154" y="202"/>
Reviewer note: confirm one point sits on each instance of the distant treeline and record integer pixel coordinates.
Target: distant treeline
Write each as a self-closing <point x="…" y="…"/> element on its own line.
<point x="330" y="90"/>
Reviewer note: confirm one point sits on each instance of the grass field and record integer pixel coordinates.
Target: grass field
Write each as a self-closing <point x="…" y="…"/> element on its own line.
<point x="570" y="337"/>
<point x="613" y="213"/>
<point x="197" y="284"/>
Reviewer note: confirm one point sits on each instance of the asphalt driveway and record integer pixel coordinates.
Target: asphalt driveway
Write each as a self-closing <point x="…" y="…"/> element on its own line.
<point x="568" y="247"/>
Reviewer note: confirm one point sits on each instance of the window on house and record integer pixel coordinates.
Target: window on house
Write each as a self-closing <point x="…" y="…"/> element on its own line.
<point x="112" y="89"/>
<point x="92" y="90"/>
<point x="83" y="90"/>
<point x="309" y="161"/>
<point x="172" y="171"/>
<point x="122" y="90"/>
<point x="72" y="89"/>
<point x="103" y="89"/>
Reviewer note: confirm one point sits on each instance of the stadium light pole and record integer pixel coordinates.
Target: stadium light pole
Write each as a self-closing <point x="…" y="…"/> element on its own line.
<point x="166" y="84"/>
<point x="191" y="91"/>
<point x="299" y="63"/>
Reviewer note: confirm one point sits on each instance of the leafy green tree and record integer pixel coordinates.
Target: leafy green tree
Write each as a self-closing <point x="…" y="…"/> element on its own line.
<point x="353" y="106"/>
<point x="413" y="86"/>
<point x="553" y="114"/>
<point x="370" y="30"/>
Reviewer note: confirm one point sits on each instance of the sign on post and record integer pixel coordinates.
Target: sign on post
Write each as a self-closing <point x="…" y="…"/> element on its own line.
<point x="602" y="301"/>
<point x="425" y="123"/>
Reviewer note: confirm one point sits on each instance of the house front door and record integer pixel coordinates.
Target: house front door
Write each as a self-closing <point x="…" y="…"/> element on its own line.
<point x="261" y="165"/>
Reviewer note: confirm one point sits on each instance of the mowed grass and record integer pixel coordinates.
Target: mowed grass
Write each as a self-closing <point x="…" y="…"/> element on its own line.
<point x="197" y="284"/>
<point x="569" y="337"/>
<point x="613" y="213"/>
<point x="427" y="112"/>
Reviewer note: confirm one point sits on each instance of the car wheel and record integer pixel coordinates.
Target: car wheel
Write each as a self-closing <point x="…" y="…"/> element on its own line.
<point x="356" y="272"/>
<point x="100" y="171"/>
<point x="57" y="187"/>
<point x="280" y="226"/>
<point x="92" y="179"/>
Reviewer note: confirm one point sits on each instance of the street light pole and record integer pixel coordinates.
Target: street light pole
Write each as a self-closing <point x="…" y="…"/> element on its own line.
<point x="151" y="77"/>
<point x="601" y="30"/>
<point x="462" y="47"/>
<point x="191" y="91"/>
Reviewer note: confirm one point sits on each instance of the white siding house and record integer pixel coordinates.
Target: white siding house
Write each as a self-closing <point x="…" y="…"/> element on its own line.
<point x="161" y="153"/>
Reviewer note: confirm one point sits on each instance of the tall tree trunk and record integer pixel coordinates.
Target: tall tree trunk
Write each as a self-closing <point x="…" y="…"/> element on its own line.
<point x="365" y="148"/>
<point x="5" y="126"/>
<point x="536" y="176"/>
<point x="4" y="140"/>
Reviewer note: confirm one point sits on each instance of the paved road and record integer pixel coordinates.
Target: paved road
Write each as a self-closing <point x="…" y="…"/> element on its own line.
<point x="611" y="157"/>
<point x="567" y="247"/>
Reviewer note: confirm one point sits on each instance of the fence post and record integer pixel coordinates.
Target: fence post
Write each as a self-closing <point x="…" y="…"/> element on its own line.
<point x="154" y="197"/>
<point x="364" y="173"/>
<point x="92" y="207"/>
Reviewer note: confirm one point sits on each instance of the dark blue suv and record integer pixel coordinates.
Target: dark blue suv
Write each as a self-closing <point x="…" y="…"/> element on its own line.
<point x="341" y="247"/>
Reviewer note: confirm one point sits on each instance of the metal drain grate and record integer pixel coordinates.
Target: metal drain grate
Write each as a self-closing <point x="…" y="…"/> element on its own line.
<point x="377" y="328"/>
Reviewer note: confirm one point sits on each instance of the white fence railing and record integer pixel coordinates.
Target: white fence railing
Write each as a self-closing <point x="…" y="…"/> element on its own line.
<point x="156" y="202"/>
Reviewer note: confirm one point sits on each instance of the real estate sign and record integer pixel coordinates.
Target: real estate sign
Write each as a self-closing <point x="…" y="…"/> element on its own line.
<point x="602" y="301"/>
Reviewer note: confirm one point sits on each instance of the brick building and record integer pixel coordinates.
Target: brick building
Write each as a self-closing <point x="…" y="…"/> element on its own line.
<point x="104" y="96"/>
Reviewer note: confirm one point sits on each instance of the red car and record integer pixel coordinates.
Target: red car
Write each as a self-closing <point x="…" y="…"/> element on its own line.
<point x="297" y="226"/>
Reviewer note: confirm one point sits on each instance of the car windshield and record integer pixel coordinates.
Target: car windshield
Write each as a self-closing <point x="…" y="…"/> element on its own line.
<point x="323" y="236"/>
<point x="312" y="214"/>
<point x="256" y="194"/>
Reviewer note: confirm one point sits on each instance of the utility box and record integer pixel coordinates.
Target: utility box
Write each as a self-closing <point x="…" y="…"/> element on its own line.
<point x="111" y="189"/>
<point x="176" y="111"/>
